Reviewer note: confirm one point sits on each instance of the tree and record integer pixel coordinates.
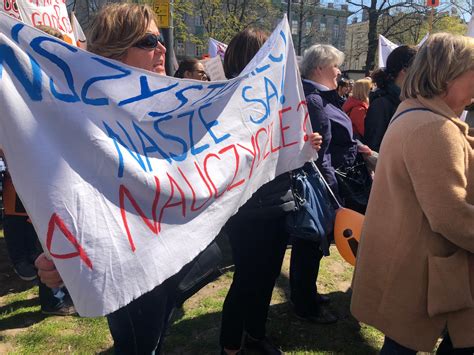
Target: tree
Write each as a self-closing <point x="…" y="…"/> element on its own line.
<point x="304" y="11"/>
<point x="384" y="10"/>
<point x="415" y="28"/>
<point x="222" y="19"/>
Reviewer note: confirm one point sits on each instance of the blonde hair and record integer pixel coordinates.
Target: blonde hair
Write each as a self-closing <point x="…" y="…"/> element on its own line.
<point x="117" y="27"/>
<point x="361" y="89"/>
<point x="320" y="55"/>
<point x="51" y="31"/>
<point x="441" y="59"/>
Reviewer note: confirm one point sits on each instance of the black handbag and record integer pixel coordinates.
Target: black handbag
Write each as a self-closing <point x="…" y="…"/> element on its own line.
<point x="354" y="185"/>
<point x="314" y="214"/>
<point x="204" y="270"/>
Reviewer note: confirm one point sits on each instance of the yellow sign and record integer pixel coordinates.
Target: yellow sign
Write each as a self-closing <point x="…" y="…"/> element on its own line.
<point x="162" y="11"/>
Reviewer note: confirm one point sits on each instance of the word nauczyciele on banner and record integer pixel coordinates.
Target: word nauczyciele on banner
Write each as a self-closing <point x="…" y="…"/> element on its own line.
<point x="128" y="175"/>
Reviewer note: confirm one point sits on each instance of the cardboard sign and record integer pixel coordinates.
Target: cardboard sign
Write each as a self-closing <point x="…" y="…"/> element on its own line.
<point x="128" y="175"/>
<point x="10" y="7"/>
<point x="52" y="13"/>
<point x="214" y="68"/>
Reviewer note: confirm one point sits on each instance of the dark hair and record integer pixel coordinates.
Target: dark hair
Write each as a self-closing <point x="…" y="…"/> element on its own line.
<point x="342" y="83"/>
<point x="242" y="48"/>
<point x="400" y="58"/>
<point x="187" y="64"/>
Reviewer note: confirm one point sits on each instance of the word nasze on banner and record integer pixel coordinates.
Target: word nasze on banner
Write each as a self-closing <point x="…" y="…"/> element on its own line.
<point x="133" y="173"/>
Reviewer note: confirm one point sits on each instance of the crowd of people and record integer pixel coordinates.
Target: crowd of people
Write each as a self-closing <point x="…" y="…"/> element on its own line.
<point x="414" y="278"/>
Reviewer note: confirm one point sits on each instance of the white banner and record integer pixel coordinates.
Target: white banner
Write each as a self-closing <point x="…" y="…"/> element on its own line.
<point x="52" y="13"/>
<point x="216" y="48"/>
<point x="10" y="7"/>
<point x="128" y="175"/>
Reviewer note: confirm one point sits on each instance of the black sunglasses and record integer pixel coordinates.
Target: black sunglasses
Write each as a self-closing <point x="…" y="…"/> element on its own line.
<point x="150" y="41"/>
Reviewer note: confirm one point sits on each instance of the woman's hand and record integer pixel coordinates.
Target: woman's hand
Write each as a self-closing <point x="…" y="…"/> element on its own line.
<point x="47" y="272"/>
<point x="364" y="149"/>
<point x="316" y="140"/>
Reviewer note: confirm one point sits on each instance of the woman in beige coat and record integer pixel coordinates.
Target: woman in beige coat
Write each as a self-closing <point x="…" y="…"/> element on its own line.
<point x="414" y="278"/>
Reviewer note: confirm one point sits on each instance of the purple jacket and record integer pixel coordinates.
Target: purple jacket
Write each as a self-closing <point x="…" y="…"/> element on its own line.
<point x="339" y="148"/>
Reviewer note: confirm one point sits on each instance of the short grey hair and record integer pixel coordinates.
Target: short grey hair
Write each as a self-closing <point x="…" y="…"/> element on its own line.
<point x="320" y="55"/>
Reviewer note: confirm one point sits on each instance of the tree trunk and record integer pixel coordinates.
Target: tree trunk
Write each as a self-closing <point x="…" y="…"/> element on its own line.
<point x="372" y="37"/>
<point x="300" y="27"/>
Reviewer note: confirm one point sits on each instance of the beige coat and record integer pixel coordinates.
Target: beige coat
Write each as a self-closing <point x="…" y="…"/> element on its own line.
<point x="415" y="263"/>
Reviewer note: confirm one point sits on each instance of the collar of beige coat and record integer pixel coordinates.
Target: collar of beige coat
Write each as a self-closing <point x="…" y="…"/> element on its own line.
<point x="439" y="107"/>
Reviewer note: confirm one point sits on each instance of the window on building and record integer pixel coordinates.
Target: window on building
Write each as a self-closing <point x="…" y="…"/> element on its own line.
<point x="322" y="27"/>
<point x="198" y="20"/>
<point x="180" y="48"/>
<point x="335" y="33"/>
<point x="294" y="27"/>
<point x="308" y="26"/>
<point x="198" y="51"/>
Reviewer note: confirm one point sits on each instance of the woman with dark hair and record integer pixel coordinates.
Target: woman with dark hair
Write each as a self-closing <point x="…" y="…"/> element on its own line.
<point x="257" y="235"/>
<point x="385" y="100"/>
<point x="191" y="68"/>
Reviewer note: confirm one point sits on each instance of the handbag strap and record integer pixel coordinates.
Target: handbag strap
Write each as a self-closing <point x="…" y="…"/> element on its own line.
<point x="325" y="183"/>
<point x="409" y="110"/>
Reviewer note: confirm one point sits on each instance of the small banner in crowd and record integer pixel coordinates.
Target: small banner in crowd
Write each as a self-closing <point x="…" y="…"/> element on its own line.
<point x="214" y="68"/>
<point x="470" y="27"/>
<point x="49" y="13"/>
<point x="216" y="48"/>
<point x="10" y="7"/>
<point x="128" y="175"/>
<point x="81" y="40"/>
<point x="385" y="48"/>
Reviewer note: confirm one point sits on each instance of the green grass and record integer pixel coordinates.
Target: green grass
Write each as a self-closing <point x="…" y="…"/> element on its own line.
<point x="195" y="329"/>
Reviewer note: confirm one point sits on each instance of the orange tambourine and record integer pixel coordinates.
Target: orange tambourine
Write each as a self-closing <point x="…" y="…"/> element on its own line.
<point x="347" y="229"/>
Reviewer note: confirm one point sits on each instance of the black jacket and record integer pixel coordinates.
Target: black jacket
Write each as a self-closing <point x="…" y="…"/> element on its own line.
<point x="383" y="104"/>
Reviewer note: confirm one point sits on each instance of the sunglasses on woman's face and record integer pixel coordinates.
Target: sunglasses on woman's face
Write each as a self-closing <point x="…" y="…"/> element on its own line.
<point x="150" y="41"/>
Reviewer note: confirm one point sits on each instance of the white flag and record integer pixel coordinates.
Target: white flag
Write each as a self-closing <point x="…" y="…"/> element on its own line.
<point x="127" y="175"/>
<point x="423" y="40"/>
<point x="79" y="35"/>
<point x="216" y="48"/>
<point x="470" y="27"/>
<point x="385" y="48"/>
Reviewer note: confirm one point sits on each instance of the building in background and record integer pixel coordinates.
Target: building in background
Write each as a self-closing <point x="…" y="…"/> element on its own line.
<point x="313" y="21"/>
<point x="356" y="45"/>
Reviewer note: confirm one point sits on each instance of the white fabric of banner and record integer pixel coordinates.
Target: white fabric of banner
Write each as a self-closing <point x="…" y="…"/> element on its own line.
<point x="128" y="175"/>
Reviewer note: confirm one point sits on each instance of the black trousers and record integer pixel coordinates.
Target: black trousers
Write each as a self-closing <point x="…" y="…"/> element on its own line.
<point x="140" y="326"/>
<point x="20" y="238"/>
<point x="391" y="347"/>
<point x="23" y="245"/>
<point x="258" y="247"/>
<point x="304" y="269"/>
